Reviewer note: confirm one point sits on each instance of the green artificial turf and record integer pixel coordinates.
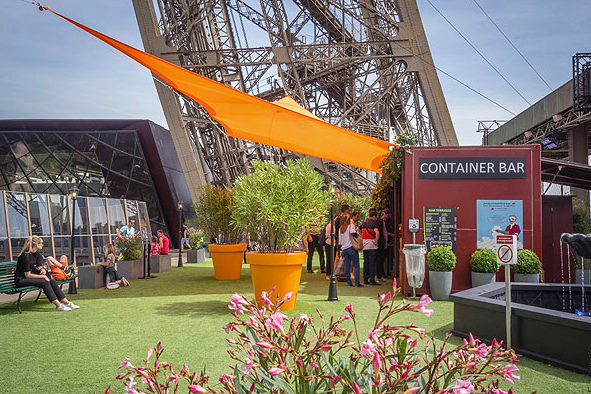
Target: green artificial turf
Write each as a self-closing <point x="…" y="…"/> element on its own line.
<point x="44" y="351"/>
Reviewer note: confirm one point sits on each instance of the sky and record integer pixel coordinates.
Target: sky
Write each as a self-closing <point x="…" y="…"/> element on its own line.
<point x="51" y="69"/>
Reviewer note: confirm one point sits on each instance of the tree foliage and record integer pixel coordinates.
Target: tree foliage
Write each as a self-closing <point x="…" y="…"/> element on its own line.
<point x="214" y="214"/>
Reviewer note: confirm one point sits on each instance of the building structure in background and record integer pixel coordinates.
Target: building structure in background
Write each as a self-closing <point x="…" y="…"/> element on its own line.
<point x="49" y="216"/>
<point x="364" y="66"/>
<point x="123" y="159"/>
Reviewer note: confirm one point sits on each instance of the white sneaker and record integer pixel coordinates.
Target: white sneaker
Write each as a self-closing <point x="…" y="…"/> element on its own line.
<point x="71" y="305"/>
<point x="63" y="308"/>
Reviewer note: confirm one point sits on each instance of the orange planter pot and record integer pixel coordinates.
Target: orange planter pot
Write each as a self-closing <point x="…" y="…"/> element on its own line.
<point x="282" y="270"/>
<point x="227" y="260"/>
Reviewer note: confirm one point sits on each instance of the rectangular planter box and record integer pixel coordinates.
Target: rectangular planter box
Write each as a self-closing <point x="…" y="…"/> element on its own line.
<point x="90" y="277"/>
<point x="159" y="263"/>
<point x="196" y="256"/>
<point x="130" y="269"/>
<point x="207" y="253"/>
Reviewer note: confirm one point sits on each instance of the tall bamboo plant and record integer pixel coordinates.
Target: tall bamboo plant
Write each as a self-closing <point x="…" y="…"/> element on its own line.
<point x="214" y="215"/>
<point x="277" y="204"/>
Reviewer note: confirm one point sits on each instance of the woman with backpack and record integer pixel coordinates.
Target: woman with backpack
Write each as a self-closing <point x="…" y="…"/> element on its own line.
<point x="30" y="271"/>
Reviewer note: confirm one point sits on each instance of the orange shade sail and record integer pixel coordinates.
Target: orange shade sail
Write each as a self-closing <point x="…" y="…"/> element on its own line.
<point x="283" y="124"/>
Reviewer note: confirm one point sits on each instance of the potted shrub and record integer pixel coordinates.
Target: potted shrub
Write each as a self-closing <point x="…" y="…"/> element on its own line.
<point x="582" y="271"/>
<point x="484" y="267"/>
<point x="441" y="261"/>
<point x="214" y="215"/>
<point x="130" y="264"/>
<point x="196" y="254"/>
<point x="528" y="267"/>
<point x="276" y="204"/>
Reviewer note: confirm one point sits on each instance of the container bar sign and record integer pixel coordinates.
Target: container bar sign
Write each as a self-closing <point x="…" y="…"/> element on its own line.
<point x="506" y="246"/>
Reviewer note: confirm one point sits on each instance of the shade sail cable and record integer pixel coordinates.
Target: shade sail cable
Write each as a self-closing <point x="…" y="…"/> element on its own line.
<point x="283" y="124"/>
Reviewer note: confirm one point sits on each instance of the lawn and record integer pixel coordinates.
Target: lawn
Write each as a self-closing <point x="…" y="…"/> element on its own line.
<point x="44" y="351"/>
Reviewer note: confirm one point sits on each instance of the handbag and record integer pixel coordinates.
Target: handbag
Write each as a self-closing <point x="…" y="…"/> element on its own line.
<point x="339" y="267"/>
<point x="357" y="242"/>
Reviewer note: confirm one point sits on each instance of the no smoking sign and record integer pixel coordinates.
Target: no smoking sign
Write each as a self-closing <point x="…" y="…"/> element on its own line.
<point x="506" y="249"/>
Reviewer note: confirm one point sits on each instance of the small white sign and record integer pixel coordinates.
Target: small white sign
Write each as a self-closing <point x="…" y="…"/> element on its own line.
<point x="506" y="246"/>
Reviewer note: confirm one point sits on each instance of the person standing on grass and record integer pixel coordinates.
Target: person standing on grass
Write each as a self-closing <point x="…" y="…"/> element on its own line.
<point x="327" y="251"/>
<point x="351" y="256"/>
<point x="370" y="234"/>
<point x="163" y="242"/>
<point x="315" y="243"/>
<point x="30" y="272"/>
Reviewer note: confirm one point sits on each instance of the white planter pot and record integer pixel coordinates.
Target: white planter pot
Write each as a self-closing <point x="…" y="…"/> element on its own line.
<point x="583" y="276"/>
<point x="528" y="278"/>
<point x="440" y="284"/>
<point x="482" y="278"/>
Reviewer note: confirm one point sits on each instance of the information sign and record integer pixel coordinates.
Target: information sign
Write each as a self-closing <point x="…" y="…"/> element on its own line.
<point x="506" y="246"/>
<point x="440" y="227"/>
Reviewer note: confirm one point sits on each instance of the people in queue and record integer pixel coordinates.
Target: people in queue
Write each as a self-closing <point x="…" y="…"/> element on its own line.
<point x="315" y="240"/>
<point x="128" y="230"/>
<point x="350" y="255"/>
<point x="30" y="272"/>
<point x="370" y="234"/>
<point x="154" y="246"/>
<point x="163" y="242"/>
<point x="110" y="276"/>
<point x="327" y="251"/>
<point x="385" y="225"/>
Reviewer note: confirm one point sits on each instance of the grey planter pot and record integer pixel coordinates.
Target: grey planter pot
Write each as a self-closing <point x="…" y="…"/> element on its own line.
<point x="529" y="278"/>
<point x="160" y="263"/>
<point x="196" y="256"/>
<point x="579" y="276"/>
<point x="130" y="269"/>
<point x="207" y="253"/>
<point x="482" y="278"/>
<point x="90" y="277"/>
<point x="440" y="284"/>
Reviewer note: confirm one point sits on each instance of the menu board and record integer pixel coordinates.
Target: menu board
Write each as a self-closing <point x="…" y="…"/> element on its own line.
<point x="440" y="227"/>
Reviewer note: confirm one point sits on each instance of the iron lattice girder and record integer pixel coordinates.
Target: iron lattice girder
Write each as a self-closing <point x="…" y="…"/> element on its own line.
<point x="363" y="71"/>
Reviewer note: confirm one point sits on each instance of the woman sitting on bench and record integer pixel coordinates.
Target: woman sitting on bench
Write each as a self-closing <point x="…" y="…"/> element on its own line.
<point x="30" y="272"/>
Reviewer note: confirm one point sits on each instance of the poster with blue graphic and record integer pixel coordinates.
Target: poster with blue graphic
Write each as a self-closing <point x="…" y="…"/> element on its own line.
<point x="498" y="217"/>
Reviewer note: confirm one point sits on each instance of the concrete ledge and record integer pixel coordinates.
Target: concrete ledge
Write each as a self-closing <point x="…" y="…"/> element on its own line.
<point x="160" y="263"/>
<point x="90" y="277"/>
<point x="130" y="269"/>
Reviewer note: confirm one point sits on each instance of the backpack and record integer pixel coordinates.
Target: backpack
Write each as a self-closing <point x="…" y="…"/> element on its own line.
<point x="57" y="273"/>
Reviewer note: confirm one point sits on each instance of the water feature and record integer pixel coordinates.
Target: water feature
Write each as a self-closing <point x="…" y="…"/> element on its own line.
<point x="581" y="245"/>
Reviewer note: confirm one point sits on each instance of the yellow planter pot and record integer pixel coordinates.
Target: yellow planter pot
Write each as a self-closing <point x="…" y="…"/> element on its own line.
<point x="227" y="260"/>
<point x="282" y="270"/>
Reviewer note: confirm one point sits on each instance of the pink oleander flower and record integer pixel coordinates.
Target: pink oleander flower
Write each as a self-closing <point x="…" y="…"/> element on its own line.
<point x="356" y="388"/>
<point x="314" y="364"/>
<point x="325" y="348"/>
<point x="288" y="296"/>
<point x="384" y="297"/>
<point x="509" y="373"/>
<point x="376" y="362"/>
<point x="368" y="348"/>
<point x="247" y="366"/>
<point x="413" y="389"/>
<point x="373" y="334"/>
<point x="304" y="318"/>
<point x="412" y="343"/>
<point x="424" y="301"/>
<point x="394" y="285"/>
<point x="197" y="389"/>
<point x="253" y="321"/>
<point x="275" y="371"/>
<point x="150" y="352"/>
<point x="237" y="303"/>
<point x="265" y="298"/>
<point x="125" y="363"/>
<point x="349" y="308"/>
<point x="499" y="391"/>
<point x="264" y="345"/>
<point x="482" y="350"/>
<point x="462" y="387"/>
<point x="275" y="322"/>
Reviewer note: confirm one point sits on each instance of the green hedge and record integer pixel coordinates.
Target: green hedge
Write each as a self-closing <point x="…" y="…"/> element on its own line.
<point x="527" y="262"/>
<point x="485" y="261"/>
<point x="441" y="258"/>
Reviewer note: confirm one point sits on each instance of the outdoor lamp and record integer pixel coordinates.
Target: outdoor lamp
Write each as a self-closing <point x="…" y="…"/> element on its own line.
<point x="180" y="207"/>
<point x="73" y="195"/>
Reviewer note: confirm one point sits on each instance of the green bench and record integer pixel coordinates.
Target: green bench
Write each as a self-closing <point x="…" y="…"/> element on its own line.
<point x="7" y="283"/>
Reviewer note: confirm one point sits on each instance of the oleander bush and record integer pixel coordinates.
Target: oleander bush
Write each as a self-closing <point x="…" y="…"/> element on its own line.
<point x="214" y="215"/>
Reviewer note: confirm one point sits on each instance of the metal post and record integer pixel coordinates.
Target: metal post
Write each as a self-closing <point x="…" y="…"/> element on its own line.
<point x="74" y="195"/>
<point x="332" y="287"/>
<point x="508" y="304"/>
<point x="180" y="206"/>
